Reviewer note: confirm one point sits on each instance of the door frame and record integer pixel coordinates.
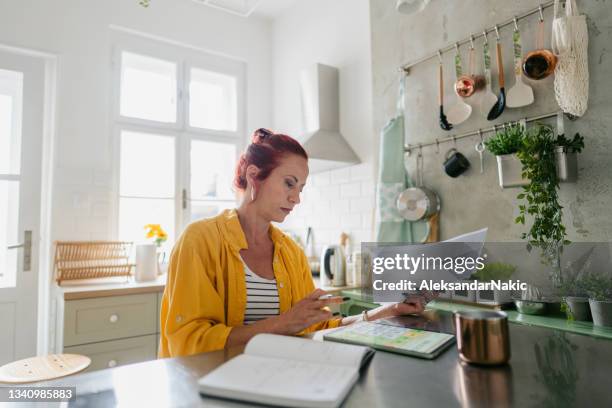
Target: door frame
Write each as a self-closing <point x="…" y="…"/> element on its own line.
<point x="46" y="310"/>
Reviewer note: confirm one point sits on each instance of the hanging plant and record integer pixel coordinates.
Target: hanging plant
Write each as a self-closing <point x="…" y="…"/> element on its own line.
<point x="540" y="197"/>
<point x="144" y="3"/>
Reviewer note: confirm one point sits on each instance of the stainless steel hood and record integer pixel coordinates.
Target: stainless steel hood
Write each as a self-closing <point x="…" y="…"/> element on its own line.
<point x="322" y="140"/>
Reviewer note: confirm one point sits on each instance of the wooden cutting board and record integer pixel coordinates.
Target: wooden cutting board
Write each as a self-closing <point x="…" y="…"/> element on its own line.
<point x="43" y="368"/>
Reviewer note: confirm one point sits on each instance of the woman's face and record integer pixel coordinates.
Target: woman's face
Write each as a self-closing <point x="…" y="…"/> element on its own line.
<point x="280" y="192"/>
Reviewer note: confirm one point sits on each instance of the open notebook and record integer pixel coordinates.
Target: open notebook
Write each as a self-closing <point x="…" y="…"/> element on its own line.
<point x="289" y="372"/>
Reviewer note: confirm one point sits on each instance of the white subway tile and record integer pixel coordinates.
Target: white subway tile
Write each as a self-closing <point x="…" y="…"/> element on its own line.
<point x="340" y="175"/>
<point x="331" y="192"/>
<point x="350" y="190"/>
<point x="350" y="221"/>
<point x="361" y="172"/>
<point x="362" y="204"/>
<point x="340" y="206"/>
<point x="368" y="188"/>
<point x="320" y="179"/>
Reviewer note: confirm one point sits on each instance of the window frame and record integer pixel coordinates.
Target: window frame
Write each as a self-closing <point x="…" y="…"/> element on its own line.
<point x="185" y="57"/>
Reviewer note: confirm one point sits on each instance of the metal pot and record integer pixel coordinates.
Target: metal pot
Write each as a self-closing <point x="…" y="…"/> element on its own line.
<point x="539" y="64"/>
<point x="417" y="203"/>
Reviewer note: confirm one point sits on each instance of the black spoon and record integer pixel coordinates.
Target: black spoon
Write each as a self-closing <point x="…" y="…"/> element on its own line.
<point x="443" y="121"/>
<point x="500" y="105"/>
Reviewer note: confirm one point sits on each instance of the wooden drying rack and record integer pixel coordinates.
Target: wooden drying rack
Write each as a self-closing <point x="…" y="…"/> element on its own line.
<point x="92" y="259"/>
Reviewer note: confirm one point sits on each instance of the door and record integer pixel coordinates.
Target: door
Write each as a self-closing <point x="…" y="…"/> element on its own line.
<point x="22" y="88"/>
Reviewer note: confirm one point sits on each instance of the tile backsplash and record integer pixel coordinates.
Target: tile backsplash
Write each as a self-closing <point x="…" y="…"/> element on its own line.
<point x="333" y="202"/>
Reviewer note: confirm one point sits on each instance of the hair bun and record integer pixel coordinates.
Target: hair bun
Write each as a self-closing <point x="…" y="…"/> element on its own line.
<point x="261" y="135"/>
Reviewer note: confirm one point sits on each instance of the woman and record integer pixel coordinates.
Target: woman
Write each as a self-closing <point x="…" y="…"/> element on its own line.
<point x="236" y="275"/>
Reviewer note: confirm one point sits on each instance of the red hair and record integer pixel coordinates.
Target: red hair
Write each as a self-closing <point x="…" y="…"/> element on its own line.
<point x="265" y="151"/>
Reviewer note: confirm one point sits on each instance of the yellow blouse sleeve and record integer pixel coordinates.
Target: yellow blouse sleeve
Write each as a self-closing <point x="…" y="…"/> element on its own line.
<point x="192" y="312"/>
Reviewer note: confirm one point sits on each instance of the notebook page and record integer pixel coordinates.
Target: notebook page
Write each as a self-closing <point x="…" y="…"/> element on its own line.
<point x="295" y="348"/>
<point x="278" y="381"/>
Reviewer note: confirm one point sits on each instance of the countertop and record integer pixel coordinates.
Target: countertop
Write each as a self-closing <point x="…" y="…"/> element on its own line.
<point x="91" y="288"/>
<point x="547" y="368"/>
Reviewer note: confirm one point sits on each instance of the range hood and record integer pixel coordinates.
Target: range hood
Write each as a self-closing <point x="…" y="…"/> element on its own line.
<point x="325" y="145"/>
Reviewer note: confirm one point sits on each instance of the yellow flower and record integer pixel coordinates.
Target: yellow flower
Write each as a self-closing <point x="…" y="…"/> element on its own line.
<point x="155" y="231"/>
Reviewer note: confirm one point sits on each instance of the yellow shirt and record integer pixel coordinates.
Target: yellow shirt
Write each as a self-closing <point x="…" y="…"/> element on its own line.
<point x="205" y="296"/>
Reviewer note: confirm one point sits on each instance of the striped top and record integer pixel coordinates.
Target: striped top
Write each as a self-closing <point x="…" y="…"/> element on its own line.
<point x="262" y="297"/>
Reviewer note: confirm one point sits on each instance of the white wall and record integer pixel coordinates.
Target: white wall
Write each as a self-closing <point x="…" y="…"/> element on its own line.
<point x="78" y="31"/>
<point x="335" y="33"/>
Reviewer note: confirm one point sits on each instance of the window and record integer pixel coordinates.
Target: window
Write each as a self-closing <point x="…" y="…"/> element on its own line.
<point x="11" y="105"/>
<point x="178" y="136"/>
<point x="148" y="88"/>
<point x="212" y="100"/>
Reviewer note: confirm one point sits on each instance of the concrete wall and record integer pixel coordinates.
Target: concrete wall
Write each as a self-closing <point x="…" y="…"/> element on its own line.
<point x="335" y="33"/>
<point x="475" y="200"/>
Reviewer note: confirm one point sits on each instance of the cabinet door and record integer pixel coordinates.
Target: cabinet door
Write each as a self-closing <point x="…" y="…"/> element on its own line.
<point x="109" y="354"/>
<point x="109" y="318"/>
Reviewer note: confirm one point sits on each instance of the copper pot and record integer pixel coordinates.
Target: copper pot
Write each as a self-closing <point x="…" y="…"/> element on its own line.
<point x="539" y="64"/>
<point x="482" y="337"/>
<point x="466" y="85"/>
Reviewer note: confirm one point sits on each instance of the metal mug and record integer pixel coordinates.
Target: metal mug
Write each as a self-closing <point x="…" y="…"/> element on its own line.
<point x="455" y="163"/>
<point x="482" y="337"/>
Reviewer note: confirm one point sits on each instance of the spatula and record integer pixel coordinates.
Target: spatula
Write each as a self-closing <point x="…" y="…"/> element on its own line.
<point x="520" y="94"/>
<point x="500" y="105"/>
<point x="460" y="111"/>
<point x="488" y="99"/>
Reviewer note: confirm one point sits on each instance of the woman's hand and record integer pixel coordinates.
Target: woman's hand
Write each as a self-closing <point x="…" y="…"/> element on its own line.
<point x="305" y="313"/>
<point x="413" y="306"/>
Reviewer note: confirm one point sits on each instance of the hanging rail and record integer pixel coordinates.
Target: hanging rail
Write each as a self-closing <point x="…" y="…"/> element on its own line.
<point x="408" y="148"/>
<point x="451" y="47"/>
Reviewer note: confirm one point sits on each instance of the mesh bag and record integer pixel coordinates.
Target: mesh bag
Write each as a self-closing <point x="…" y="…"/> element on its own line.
<point x="570" y="42"/>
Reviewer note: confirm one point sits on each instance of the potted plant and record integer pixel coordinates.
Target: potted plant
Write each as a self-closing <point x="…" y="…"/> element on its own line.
<point x="599" y="288"/>
<point x="541" y="199"/>
<point x="494" y="271"/>
<point x="505" y="146"/>
<point x="566" y="154"/>
<point x="575" y="299"/>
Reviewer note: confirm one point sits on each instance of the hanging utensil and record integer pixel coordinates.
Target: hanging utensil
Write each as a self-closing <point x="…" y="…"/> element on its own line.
<point x="443" y="121"/>
<point x="520" y="94"/>
<point x="418" y="203"/>
<point x="460" y="111"/>
<point x="466" y="85"/>
<point x="500" y="105"/>
<point x="540" y="63"/>
<point x="480" y="148"/>
<point x="488" y="99"/>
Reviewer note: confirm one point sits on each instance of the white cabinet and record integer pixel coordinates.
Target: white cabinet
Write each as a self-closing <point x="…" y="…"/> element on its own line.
<point x="113" y="326"/>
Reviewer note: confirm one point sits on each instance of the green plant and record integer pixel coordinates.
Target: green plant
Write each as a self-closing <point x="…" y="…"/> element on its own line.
<point x="574" y="145"/>
<point x="573" y="286"/>
<point x="507" y="141"/>
<point x="541" y="201"/>
<point x="144" y="3"/>
<point x="599" y="287"/>
<point x="495" y="271"/>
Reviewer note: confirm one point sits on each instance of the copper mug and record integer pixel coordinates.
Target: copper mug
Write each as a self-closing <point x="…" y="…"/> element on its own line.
<point x="482" y="337"/>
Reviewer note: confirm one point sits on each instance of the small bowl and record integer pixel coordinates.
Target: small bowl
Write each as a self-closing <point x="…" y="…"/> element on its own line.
<point x="530" y="307"/>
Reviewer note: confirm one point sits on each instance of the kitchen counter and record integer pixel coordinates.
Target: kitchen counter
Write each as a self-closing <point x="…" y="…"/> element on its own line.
<point x="547" y="368"/>
<point x="94" y="288"/>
